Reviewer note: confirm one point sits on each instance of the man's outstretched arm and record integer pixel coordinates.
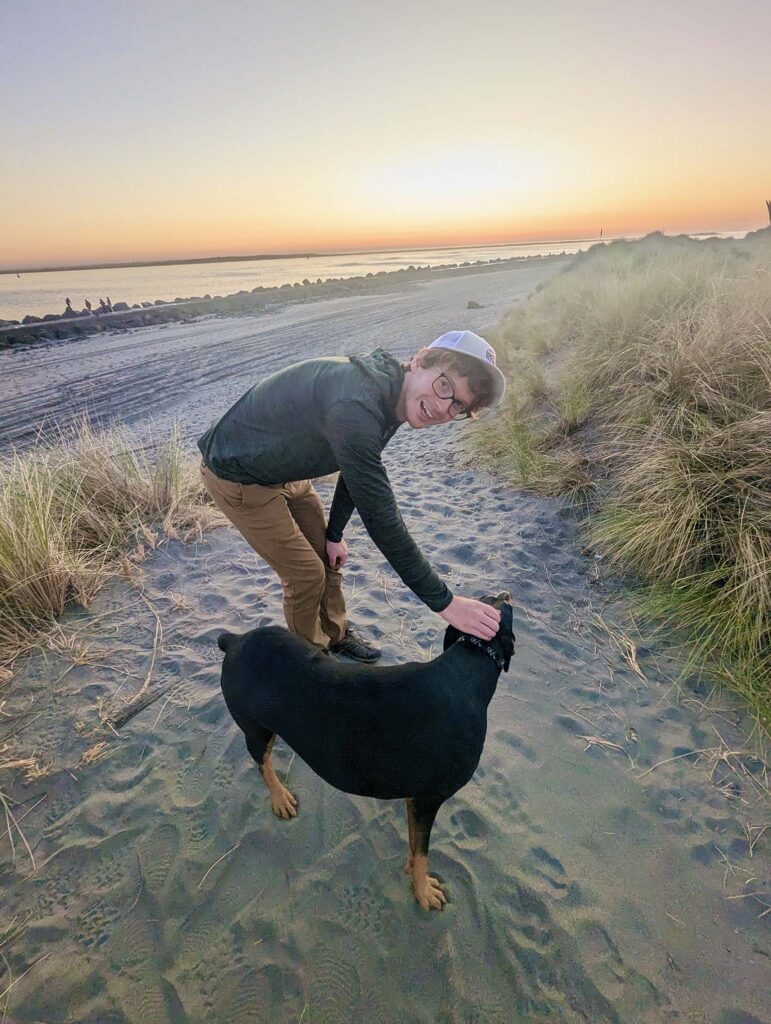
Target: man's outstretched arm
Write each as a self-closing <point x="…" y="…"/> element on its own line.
<point x="354" y="434"/>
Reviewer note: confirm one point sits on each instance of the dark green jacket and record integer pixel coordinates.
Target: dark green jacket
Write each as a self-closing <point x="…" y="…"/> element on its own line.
<point x="317" y="417"/>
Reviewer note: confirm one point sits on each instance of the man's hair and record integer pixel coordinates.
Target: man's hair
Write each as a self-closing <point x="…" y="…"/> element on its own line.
<point x="465" y="366"/>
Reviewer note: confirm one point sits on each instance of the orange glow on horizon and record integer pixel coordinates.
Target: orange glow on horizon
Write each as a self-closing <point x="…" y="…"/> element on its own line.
<point x="177" y="246"/>
<point x="295" y="128"/>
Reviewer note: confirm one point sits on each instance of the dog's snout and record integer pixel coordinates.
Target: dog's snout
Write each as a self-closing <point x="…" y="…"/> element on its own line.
<point x="505" y="595"/>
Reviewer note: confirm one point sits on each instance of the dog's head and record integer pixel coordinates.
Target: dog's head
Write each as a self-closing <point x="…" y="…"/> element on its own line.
<point x="503" y="641"/>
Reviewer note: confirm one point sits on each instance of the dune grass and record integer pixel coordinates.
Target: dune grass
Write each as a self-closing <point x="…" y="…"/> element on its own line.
<point x="72" y="508"/>
<point x="654" y="405"/>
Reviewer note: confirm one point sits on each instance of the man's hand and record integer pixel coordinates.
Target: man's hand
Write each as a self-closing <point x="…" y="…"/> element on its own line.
<point x="337" y="553"/>
<point x="470" y="616"/>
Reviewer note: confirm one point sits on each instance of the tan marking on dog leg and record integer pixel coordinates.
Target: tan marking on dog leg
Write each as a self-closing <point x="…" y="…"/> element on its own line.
<point x="410" y="835"/>
<point x="427" y="890"/>
<point x="284" y="804"/>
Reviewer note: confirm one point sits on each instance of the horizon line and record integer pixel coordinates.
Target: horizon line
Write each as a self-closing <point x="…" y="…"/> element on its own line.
<point x="183" y="260"/>
<point x="187" y="260"/>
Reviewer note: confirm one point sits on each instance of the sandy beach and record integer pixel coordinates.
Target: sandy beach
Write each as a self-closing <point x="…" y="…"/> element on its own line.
<point x="607" y="863"/>
<point x="154" y="375"/>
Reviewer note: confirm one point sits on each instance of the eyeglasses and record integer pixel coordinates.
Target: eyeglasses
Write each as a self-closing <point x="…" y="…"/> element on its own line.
<point x="443" y="389"/>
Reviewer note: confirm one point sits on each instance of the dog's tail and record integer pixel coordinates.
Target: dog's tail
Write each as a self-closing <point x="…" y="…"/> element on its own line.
<point x="224" y="640"/>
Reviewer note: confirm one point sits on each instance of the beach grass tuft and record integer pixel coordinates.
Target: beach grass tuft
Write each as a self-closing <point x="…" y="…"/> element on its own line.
<point x="72" y="507"/>
<point x="656" y="362"/>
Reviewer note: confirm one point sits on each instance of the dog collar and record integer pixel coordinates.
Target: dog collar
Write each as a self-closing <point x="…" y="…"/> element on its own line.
<point x="483" y="645"/>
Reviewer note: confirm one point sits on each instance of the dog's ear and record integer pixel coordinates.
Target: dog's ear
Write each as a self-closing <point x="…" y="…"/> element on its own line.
<point x="451" y="634"/>
<point x="506" y="635"/>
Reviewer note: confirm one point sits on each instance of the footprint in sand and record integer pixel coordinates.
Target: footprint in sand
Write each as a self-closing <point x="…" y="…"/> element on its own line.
<point x="739" y="1017"/>
<point x="55" y="897"/>
<point x="364" y="909"/>
<point x="156" y="852"/>
<point x="468" y="829"/>
<point x="335" y="989"/>
<point x="223" y="775"/>
<point x="136" y="639"/>
<point x="243" y="976"/>
<point x="95" y="924"/>
<point x="154" y="999"/>
<point x="552" y="969"/>
<point x="517" y="743"/>
<point x="129" y="776"/>
<point x="62" y="796"/>
<point x="241" y="995"/>
<point x="136" y="943"/>
<point x="211" y="604"/>
<point x="339" y="815"/>
<point x="630" y="993"/>
<point x="572" y="725"/>
<point x="199" y="830"/>
<point x="705" y="853"/>
<point x="550" y="874"/>
<point x="193" y="780"/>
<point x="464" y="553"/>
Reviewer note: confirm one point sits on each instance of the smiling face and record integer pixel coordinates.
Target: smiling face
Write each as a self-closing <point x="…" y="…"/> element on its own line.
<point x="419" y="405"/>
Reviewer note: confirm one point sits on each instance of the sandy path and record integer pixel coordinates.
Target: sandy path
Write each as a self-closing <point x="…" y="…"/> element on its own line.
<point x="583" y="887"/>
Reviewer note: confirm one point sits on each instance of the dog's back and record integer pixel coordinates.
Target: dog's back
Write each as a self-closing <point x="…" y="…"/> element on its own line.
<point x="400" y="731"/>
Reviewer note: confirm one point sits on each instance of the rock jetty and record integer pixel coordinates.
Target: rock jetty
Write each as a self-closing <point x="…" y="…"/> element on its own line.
<point x="74" y="324"/>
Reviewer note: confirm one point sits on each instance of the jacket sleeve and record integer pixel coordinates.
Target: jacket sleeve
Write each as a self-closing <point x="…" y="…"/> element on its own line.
<point x="354" y="434"/>
<point x="340" y="512"/>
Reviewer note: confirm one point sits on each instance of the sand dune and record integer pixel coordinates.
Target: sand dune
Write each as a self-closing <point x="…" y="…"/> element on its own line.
<point x="581" y="888"/>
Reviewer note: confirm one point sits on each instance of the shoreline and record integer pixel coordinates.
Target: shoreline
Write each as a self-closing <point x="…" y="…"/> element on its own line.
<point x="55" y="327"/>
<point x="185" y="261"/>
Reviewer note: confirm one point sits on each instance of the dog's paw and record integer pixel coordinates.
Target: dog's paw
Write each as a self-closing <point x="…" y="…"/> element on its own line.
<point x="429" y="894"/>
<point x="283" y="803"/>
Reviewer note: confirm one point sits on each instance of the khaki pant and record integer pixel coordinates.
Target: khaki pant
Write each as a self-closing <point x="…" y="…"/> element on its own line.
<point x="285" y="524"/>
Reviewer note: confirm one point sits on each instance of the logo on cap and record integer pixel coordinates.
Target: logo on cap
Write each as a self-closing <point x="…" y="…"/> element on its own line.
<point x="490" y="356"/>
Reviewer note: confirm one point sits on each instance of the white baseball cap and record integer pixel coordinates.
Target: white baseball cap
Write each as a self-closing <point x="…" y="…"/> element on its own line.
<point x="472" y="345"/>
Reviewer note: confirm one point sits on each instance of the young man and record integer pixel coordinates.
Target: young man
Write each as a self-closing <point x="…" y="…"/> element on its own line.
<point x="324" y="415"/>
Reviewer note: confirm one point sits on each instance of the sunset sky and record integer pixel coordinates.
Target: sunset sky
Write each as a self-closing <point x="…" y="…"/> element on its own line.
<point x="141" y="130"/>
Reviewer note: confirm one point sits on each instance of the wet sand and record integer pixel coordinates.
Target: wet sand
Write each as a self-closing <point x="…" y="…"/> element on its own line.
<point x="583" y="886"/>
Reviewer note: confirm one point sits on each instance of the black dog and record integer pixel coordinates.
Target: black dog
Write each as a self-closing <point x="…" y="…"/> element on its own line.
<point x="414" y="731"/>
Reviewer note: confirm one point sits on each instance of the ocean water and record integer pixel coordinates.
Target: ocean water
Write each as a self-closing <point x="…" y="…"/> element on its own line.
<point x="41" y="293"/>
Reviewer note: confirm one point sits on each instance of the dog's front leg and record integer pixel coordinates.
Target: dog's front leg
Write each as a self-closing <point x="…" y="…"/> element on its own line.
<point x="420" y="820"/>
<point x="410" y="862"/>
<point x="260" y="744"/>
